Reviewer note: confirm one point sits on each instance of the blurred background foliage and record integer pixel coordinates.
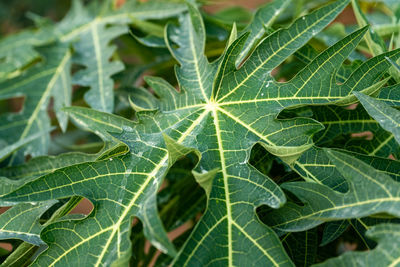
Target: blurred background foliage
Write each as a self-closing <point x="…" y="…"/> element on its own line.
<point x="15" y="15"/>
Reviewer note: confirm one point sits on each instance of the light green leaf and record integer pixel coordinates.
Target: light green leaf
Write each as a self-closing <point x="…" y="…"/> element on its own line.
<point x="375" y="43"/>
<point x="386" y="29"/>
<point x="388" y="118"/>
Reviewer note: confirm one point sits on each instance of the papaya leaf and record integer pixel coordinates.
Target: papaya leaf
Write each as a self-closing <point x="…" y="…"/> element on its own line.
<point x="88" y="30"/>
<point x="390" y="95"/>
<point x="316" y="166"/>
<point x="17" y="51"/>
<point x="383" y="144"/>
<point x="93" y="31"/>
<point x="17" y="222"/>
<point x="263" y="19"/>
<point x="341" y="122"/>
<point x="220" y="112"/>
<point x="50" y="78"/>
<point x="370" y="192"/>
<point x="333" y="230"/>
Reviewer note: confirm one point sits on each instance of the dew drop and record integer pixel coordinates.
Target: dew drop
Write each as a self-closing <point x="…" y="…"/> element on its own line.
<point x="127" y="128"/>
<point x="202" y="170"/>
<point x="303" y="18"/>
<point x="151" y="143"/>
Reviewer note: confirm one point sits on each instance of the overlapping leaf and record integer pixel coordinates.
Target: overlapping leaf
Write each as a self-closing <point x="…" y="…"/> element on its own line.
<point x="383" y="144"/>
<point x="90" y="32"/>
<point x="45" y="80"/>
<point x="13" y="177"/>
<point x="370" y="192"/>
<point x="390" y="95"/>
<point x="316" y="166"/>
<point x="22" y="222"/>
<point x="94" y="30"/>
<point x="220" y="112"/>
